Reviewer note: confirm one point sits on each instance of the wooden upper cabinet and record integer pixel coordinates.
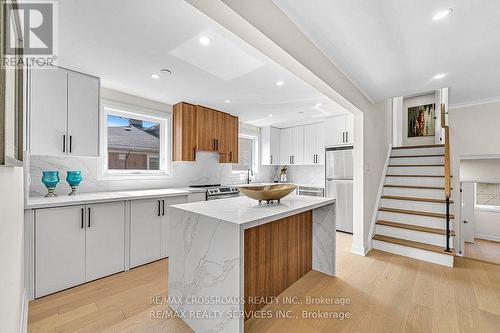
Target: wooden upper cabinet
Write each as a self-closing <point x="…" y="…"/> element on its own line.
<point x="184" y="132"/>
<point x="198" y="128"/>
<point x="230" y="139"/>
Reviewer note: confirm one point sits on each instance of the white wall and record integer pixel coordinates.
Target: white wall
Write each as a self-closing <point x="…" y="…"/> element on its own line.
<point x="474" y="133"/>
<point x="11" y="249"/>
<point x="487" y="223"/>
<point x="480" y="170"/>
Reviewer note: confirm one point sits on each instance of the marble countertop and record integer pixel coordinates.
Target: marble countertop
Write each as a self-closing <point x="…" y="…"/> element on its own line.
<point x="87" y="198"/>
<point x="242" y="210"/>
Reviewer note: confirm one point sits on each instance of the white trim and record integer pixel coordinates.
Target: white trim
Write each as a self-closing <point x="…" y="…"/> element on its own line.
<point x="487" y="237"/>
<point x="475" y="103"/>
<point x="23" y="327"/>
<point x="148" y="114"/>
<point x="359" y="250"/>
<point x="487" y="208"/>
<point x="255" y="153"/>
<point x="379" y="196"/>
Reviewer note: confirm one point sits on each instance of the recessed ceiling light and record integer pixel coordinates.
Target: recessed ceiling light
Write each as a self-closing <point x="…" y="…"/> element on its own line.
<point x="155" y="76"/>
<point x="269" y="115"/>
<point x="204" y="40"/>
<point x="165" y="71"/>
<point x="280" y="83"/>
<point x="442" y="14"/>
<point x="228" y="101"/>
<point x="439" y="76"/>
<point x="318" y="104"/>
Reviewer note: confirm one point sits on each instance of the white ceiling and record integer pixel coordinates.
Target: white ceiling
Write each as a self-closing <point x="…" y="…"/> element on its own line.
<point x="393" y="48"/>
<point x="125" y="41"/>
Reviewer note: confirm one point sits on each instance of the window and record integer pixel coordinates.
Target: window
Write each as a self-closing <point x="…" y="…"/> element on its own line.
<point x="135" y="142"/>
<point x="488" y="194"/>
<point x="248" y="154"/>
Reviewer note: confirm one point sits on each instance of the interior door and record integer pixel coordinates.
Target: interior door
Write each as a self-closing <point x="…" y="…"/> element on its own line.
<point x="59" y="248"/>
<point x="468" y="212"/>
<point x="105" y="241"/>
<point x="145" y="231"/>
<point x="83" y="115"/>
<point x="166" y="203"/>
<point x="48" y="112"/>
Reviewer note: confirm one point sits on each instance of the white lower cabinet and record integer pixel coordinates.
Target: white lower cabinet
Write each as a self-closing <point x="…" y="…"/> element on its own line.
<point x="105" y="240"/>
<point x="149" y="229"/>
<point x="77" y="244"/>
<point x="59" y="249"/>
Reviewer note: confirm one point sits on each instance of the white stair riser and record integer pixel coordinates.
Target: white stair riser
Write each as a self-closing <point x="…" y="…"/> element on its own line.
<point x="415" y="181"/>
<point x="412" y="235"/>
<point x="418" y="160"/>
<point x="437" y="258"/>
<point x="434" y="170"/>
<point x="418" y="151"/>
<point x="416" y="205"/>
<point x="424" y="221"/>
<point x="412" y="192"/>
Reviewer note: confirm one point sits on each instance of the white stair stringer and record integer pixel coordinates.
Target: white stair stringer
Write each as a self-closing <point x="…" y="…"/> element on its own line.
<point x="414" y="190"/>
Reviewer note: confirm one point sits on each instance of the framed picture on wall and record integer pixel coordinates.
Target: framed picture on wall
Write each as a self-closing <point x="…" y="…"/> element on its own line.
<point x="421" y="120"/>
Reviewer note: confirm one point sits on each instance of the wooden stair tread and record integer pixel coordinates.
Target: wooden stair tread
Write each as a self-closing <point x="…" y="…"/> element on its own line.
<point x="417" y="176"/>
<point x="421" y="146"/>
<point x="394" y="197"/>
<point x="417" y="245"/>
<point x="416" y="187"/>
<point x="417" y="156"/>
<point x="414" y="227"/>
<point x="414" y="212"/>
<point x="414" y="165"/>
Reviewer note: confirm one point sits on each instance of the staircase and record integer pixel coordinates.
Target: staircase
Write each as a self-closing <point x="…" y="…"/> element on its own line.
<point x="412" y="217"/>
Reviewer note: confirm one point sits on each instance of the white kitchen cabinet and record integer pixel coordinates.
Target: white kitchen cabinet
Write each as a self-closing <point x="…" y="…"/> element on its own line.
<point x="83" y="108"/>
<point x="339" y="130"/>
<point x="314" y="144"/>
<point x="63" y="113"/>
<point x="166" y="203"/>
<point x="77" y="244"/>
<point x="59" y="249"/>
<point x="292" y="145"/>
<point x="48" y="112"/>
<point x="105" y="239"/>
<point x="270" y="146"/>
<point x="145" y="231"/>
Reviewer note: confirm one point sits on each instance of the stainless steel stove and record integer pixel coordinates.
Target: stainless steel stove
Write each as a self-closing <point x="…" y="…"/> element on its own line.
<point x="216" y="191"/>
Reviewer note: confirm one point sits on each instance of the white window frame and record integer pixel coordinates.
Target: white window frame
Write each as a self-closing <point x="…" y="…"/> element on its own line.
<point x="132" y="111"/>
<point x="255" y="153"/>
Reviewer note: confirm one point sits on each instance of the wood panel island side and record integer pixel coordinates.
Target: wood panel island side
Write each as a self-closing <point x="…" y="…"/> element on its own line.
<point x="225" y="256"/>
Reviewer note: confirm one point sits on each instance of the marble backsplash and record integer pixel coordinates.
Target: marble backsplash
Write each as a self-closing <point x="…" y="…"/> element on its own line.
<point x="307" y="174"/>
<point x="206" y="170"/>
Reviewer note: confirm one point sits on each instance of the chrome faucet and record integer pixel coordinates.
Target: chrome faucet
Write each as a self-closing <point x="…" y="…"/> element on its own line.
<point x="249" y="175"/>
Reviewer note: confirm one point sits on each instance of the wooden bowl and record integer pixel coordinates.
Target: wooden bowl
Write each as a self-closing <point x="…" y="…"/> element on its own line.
<point x="267" y="192"/>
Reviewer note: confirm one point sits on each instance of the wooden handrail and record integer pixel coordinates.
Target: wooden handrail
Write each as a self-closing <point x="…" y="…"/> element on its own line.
<point x="447" y="159"/>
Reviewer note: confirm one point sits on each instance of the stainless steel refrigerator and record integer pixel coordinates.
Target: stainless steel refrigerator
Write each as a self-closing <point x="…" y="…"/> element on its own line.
<point x="339" y="184"/>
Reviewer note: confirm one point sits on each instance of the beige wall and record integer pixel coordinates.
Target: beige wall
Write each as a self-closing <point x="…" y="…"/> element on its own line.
<point x="11" y="249"/>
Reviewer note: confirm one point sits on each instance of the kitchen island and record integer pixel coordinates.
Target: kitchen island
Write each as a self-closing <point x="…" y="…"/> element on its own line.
<point x="227" y="256"/>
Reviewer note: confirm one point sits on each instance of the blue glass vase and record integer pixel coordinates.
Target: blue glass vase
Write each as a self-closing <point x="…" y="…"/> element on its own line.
<point x="74" y="178"/>
<point x="50" y="180"/>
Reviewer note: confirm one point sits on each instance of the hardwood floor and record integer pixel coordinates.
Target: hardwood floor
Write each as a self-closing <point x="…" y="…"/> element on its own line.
<point x="388" y="293"/>
<point x="483" y="250"/>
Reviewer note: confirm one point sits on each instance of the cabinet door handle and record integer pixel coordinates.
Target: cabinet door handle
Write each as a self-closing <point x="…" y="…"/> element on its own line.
<point x="343" y="137"/>
<point x="70" y="143"/>
<point x="83" y="217"/>
<point x="271" y="159"/>
<point x="217" y="144"/>
<point x="159" y="207"/>
<point x="88" y="212"/>
<point x="230" y="156"/>
<point x="64" y="143"/>
<point x="194" y="153"/>
<point x="346" y="136"/>
<point x="163" y="207"/>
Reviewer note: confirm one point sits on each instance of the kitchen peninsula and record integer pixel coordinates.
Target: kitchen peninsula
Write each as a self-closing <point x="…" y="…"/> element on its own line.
<point x="223" y="253"/>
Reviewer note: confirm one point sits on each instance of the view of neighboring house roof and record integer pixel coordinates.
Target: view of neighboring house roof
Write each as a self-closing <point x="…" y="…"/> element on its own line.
<point x="134" y="138"/>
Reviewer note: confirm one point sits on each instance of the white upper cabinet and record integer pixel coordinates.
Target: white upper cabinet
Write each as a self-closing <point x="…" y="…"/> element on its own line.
<point x="48" y="112"/>
<point x="63" y="113"/>
<point x="339" y="130"/>
<point x="314" y="144"/>
<point x="83" y="108"/>
<point x="270" y="146"/>
<point x="286" y="146"/>
<point x="298" y="145"/>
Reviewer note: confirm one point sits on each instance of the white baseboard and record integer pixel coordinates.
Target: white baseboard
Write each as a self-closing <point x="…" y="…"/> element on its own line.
<point x="23" y="326"/>
<point x="487" y="237"/>
<point x="359" y="250"/>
